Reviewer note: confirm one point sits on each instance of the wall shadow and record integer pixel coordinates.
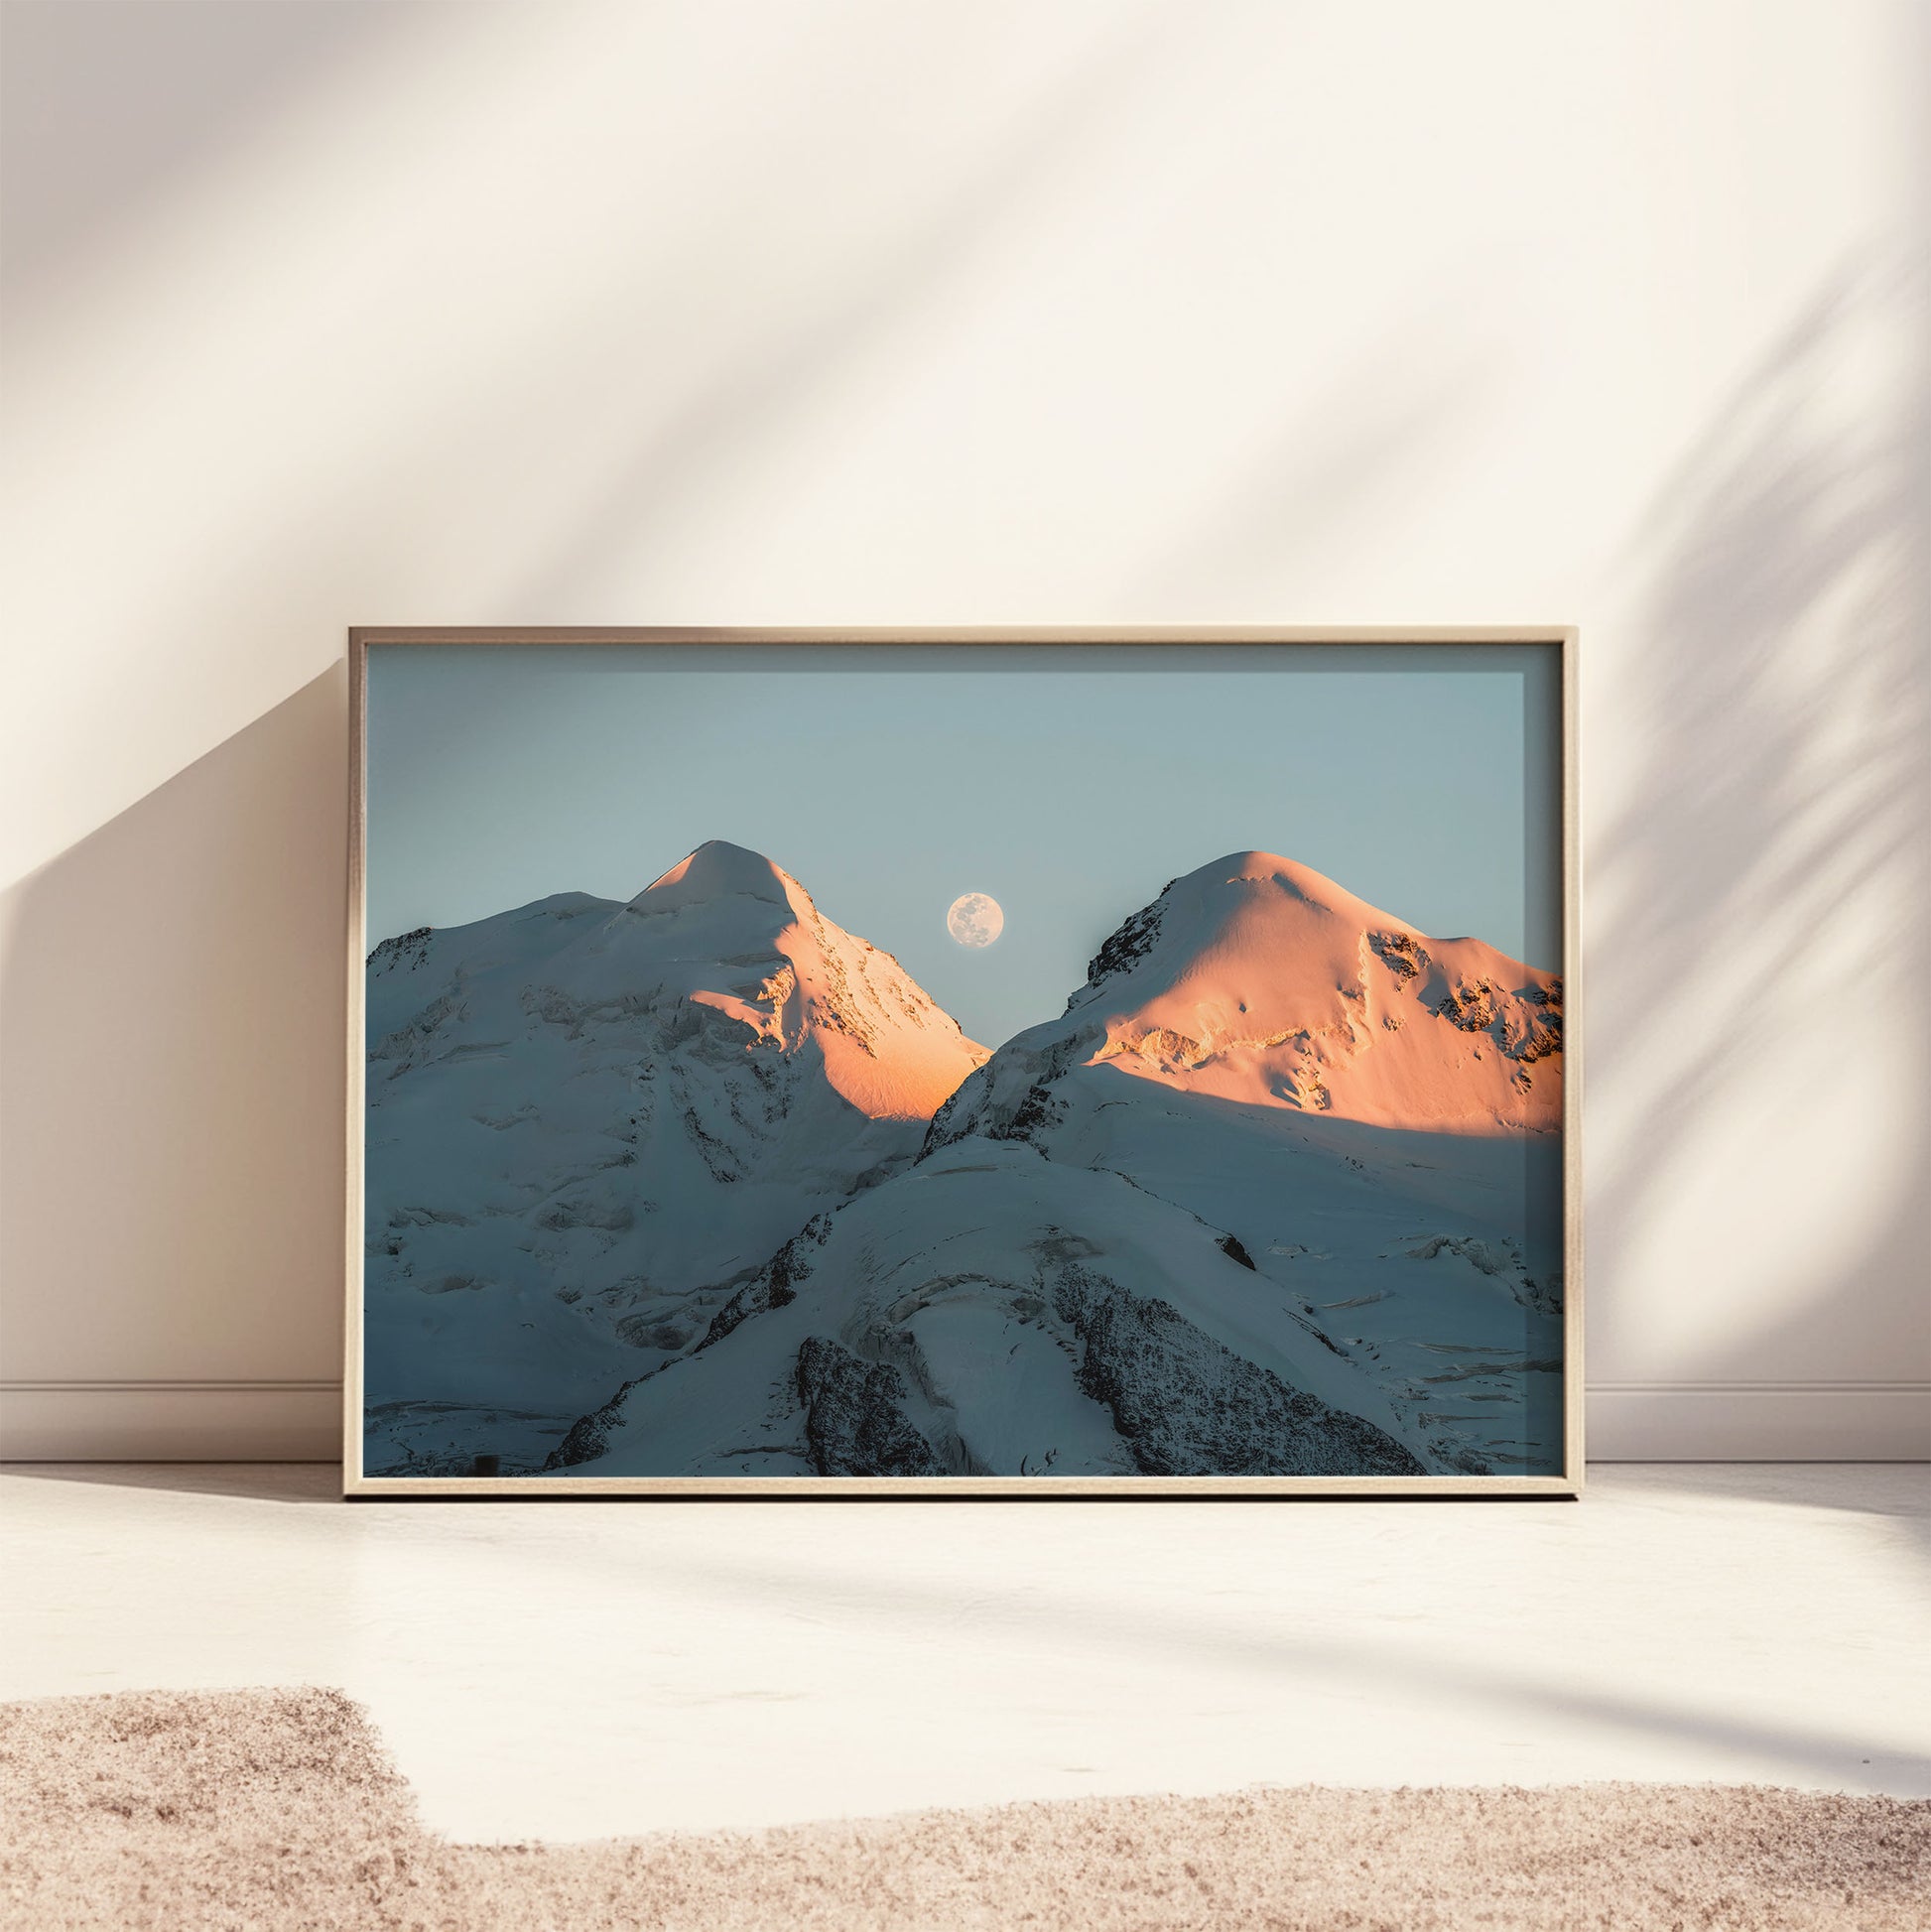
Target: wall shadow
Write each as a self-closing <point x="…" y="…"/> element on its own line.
<point x="170" y="1116"/>
<point x="105" y="108"/>
<point x="1765" y="890"/>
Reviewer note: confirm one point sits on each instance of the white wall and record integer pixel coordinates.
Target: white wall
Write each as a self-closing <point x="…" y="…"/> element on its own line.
<point x="934" y="311"/>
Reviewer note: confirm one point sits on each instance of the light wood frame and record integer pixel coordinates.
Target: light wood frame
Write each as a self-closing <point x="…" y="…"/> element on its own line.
<point x="1568" y="1484"/>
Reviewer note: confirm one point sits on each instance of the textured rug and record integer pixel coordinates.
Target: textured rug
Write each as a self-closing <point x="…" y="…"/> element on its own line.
<point x="271" y="1809"/>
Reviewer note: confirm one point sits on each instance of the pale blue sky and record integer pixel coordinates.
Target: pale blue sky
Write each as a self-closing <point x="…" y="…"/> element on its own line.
<point x="1071" y="783"/>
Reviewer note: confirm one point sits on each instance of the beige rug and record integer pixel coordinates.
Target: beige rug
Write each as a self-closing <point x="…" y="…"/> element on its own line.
<point x="271" y="1809"/>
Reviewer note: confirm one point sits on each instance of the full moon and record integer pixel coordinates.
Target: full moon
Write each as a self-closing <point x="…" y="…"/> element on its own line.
<point x="974" y="919"/>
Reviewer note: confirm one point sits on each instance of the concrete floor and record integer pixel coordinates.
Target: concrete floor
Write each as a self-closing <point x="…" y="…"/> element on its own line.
<point x="574" y="1670"/>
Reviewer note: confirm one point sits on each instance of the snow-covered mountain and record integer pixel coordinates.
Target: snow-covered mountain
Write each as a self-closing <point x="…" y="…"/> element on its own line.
<point x="1258" y="981"/>
<point x="1278" y="1193"/>
<point x="589" y="1123"/>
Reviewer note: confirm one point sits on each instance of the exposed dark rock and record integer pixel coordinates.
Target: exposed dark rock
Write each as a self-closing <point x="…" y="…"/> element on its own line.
<point x="1233" y="1247"/>
<point x="1540" y="1037"/>
<point x="758" y="1297"/>
<point x="1472" y="1006"/>
<point x="406" y="951"/>
<point x="1405" y="957"/>
<point x="1037" y="1110"/>
<point x="589" y="1435"/>
<point x="1187" y="1406"/>
<point x="1527" y="1026"/>
<point x="974" y="1110"/>
<point x="721" y="1161"/>
<point x="776" y="1283"/>
<point x="940" y="1133"/>
<point x="1130" y="943"/>
<point x="855" y="1423"/>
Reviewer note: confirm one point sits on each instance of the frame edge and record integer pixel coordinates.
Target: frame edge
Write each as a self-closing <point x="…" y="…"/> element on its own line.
<point x="1568" y="1486"/>
<point x="356" y="1067"/>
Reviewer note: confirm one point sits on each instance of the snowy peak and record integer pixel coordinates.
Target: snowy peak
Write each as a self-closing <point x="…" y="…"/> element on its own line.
<point x="726" y="941"/>
<point x="1258" y="980"/>
<point x="1255" y="912"/>
<point x="1269" y="871"/>
<point x="747" y="940"/>
<point x="717" y="871"/>
<point x="590" y="1120"/>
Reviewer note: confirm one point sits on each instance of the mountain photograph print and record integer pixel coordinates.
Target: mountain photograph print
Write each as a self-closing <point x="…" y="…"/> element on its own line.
<point x="964" y="1067"/>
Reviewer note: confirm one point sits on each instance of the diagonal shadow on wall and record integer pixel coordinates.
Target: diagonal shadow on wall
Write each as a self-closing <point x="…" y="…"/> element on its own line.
<point x="170" y="1141"/>
<point x="1765" y="895"/>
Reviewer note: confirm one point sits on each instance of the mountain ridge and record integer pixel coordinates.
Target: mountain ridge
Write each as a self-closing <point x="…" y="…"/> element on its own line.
<point x="591" y="1121"/>
<point x="1259" y="979"/>
<point x="1122" y="1235"/>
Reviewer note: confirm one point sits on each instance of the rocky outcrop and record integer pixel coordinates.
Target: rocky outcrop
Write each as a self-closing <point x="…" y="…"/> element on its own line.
<point x="1472" y="1006"/>
<point x="589" y="1435"/>
<point x="404" y="953"/>
<point x="776" y="1285"/>
<point x="854" y="1421"/>
<point x="1189" y="1406"/>
<point x="1404" y="955"/>
<point x="1130" y="943"/>
<point x="1010" y="1097"/>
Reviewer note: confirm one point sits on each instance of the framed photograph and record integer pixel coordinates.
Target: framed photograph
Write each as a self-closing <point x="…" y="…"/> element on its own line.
<point x="963" y="1063"/>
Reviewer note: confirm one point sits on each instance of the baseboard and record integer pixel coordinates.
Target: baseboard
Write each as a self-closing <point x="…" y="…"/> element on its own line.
<point x="1759" y="1422"/>
<point x="301" y="1422"/>
<point x="170" y="1422"/>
